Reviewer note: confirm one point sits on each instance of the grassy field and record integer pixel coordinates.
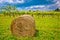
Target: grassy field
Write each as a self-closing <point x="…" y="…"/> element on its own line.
<point x="47" y="27"/>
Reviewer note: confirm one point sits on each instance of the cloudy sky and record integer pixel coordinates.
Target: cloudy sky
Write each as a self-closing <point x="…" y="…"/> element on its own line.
<point x="32" y="4"/>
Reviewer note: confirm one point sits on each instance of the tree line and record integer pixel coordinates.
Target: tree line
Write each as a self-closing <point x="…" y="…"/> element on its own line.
<point x="12" y="11"/>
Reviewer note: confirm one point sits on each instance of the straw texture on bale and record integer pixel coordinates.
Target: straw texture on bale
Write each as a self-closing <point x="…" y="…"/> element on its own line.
<point x="23" y="26"/>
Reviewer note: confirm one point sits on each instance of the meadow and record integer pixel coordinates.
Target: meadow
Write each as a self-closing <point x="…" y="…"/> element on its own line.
<point x="47" y="26"/>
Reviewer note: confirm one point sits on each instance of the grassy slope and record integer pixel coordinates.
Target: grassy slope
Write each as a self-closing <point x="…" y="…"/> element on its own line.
<point x="48" y="27"/>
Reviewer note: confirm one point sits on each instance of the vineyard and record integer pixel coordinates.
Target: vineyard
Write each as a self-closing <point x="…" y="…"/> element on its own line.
<point x="47" y="25"/>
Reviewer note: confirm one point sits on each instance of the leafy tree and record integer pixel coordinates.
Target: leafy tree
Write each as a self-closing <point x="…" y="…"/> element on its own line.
<point x="8" y="8"/>
<point x="57" y="9"/>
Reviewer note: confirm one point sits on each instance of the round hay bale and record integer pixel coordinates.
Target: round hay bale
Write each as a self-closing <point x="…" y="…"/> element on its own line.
<point x="23" y="26"/>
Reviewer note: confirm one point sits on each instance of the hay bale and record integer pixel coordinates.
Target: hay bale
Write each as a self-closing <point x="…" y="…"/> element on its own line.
<point x="23" y="26"/>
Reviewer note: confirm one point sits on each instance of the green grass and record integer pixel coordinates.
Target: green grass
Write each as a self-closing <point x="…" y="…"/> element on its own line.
<point x="47" y="27"/>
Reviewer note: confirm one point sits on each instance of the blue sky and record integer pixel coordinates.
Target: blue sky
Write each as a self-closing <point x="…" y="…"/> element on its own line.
<point x="32" y="4"/>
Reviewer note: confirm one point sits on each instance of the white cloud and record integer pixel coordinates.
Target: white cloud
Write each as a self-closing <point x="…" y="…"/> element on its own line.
<point x="20" y="1"/>
<point x="40" y="7"/>
<point x="57" y="2"/>
<point x="12" y="1"/>
<point x="36" y="6"/>
<point x="1" y="1"/>
<point x="19" y="8"/>
<point x="46" y="7"/>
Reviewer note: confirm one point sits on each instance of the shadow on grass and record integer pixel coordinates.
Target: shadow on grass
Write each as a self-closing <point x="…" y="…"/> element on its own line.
<point x="36" y="33"/>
